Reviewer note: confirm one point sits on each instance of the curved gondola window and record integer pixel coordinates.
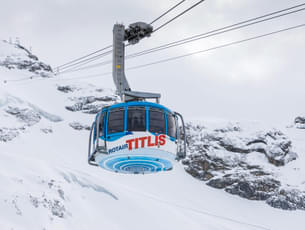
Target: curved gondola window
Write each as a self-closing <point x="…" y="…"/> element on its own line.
<point x="101" y="129"/>
<point x="116" y="120"/>
<point x="136" y="118"/>
<point x="171" y="125"/>
<point x="156" y="121"/>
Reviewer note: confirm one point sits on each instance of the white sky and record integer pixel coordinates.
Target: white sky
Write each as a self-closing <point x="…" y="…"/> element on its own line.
<point x="259" y="80"/>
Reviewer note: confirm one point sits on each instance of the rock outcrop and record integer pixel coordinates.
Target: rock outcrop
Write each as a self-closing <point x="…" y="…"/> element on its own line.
<point x="241" y="162"/>
<point x="299" y="122"/>
<point x="18" y="57"/>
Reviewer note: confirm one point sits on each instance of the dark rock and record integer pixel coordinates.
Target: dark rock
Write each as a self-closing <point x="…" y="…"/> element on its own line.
<point x="299" y="120"/>
<point x="288" y="199"/>
<point x="202" y="166"/>
<point x="89" y="104"/>
<point x="232" y="148"/>
<point x="259" y="173"/>
<point x="65" y="89"/>
<point x="221" y="183"/>
<point x="47" y="130"/>
<point x="75" y="107"/>
<point x="106" y="98"/>
<point x="79" y="126"/>
<point x="256" y="141"/>
<point x="57" y="208"/>
<point x="29" y="117"/>
<point x="220" y="157"/>
<point x="259" y="189"/>
<point x="29" y="62"/>
<point x="233" y="128"/>
<point x="92" y="109"/>
<point x="8" y="134"/>
<point x="280" y="202"/>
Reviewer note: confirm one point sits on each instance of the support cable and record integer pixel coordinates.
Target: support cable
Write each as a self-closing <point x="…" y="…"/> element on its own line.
<point x="85" y="61"/>
<point x="88" y="55"/>
<point x="212" y="33"/>
<point x="169" y="10"/>
<point x="179" y="15"/>
<point x="182" y="56"/>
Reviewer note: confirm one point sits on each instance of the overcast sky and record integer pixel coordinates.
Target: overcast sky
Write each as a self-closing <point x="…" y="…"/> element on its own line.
<point x="258" y="80"/>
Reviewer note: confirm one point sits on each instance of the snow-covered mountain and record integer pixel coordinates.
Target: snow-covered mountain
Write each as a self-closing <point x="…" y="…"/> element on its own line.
<point x="46" y="183"/>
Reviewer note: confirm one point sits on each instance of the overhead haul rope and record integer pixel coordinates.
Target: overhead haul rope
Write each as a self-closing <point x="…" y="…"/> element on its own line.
<point x="182" y="56"/>
<point x="77" y="63"/>
<point x="81" y="59"/>
<point x="217" y="47"/>
<point x="88" y="55"/>
<point x="179" y="15"/>
<point x="222" y="30"/>
<point x="166" y="12"/>
<point x="212" y="33"/>
<point x="82" y="62"/>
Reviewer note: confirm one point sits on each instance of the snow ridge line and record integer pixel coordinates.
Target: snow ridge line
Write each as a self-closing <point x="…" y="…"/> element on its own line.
<point x="203" y="212"/>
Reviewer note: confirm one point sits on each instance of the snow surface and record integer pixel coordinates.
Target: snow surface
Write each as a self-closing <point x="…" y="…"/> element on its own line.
<point x="46" y="183"/>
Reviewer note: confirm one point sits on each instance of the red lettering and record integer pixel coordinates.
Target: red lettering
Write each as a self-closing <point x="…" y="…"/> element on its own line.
<point x="142" y="139"/>
<point x="162" y="140"/>
<point x="149" y="144"/>
<point x="129" y="142"/>
<point x="159" y="140"/>
<point x="156" y="140"/>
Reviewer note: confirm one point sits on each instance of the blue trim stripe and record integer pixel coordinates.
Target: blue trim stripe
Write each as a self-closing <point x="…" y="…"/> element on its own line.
<point x="166" y="129"/>
<point x="147" y="106"/>
<point x="135" y="164"/>
<point x="138" y="103"/>
<point x="106" y="124"/>
<point x="125" y="118"/>
<point x="147" y="117"/>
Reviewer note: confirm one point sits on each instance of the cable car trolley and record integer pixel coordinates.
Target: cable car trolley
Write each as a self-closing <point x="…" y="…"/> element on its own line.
<point x="137" y="135"/>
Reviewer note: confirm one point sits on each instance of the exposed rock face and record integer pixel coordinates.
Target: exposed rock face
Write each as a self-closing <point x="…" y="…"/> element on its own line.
<point x="27" y="116"/>
<point x="23" y="59"/>
<point x="18" y="116"/>
<point x="261" y="188"/>
<point x="66" y="88"/>
<point x="87" y="104"/>
<point x="299" y="122"/>
<point x="79" y="126"/>
<point x="288" y="199"/>
<point x="234" y="160"/>
<point x="8" y="134"/>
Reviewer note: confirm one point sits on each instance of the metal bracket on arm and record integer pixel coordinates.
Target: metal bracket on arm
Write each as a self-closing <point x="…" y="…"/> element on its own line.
<point x="137" y="31"/>
<point x="133" y="34"/>
<point x="132" y="95"/>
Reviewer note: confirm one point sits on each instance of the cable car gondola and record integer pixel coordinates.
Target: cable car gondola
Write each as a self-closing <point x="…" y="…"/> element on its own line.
<point x="135" y="136"/>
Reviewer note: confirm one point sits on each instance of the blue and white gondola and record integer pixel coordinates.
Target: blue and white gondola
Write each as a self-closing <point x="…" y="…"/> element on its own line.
<point x="136" y="137"/>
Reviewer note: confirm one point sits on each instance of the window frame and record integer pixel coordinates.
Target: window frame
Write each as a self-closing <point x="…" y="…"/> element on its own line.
<point x="142" y="109"/>
<point x="102" y="116"/>
<point x="175" y="124"/>
<point x="164" y="117"/>
<point x="107" y="121"/>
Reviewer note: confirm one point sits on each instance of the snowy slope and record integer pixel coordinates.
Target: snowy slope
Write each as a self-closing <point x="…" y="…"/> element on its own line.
<point x="46" y="183"/>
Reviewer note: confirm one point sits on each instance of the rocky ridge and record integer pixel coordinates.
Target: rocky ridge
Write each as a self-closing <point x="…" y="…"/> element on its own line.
<point x="299" y="122"/>
<point x="16" y="56"/>
<point x="243" y="163"/>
